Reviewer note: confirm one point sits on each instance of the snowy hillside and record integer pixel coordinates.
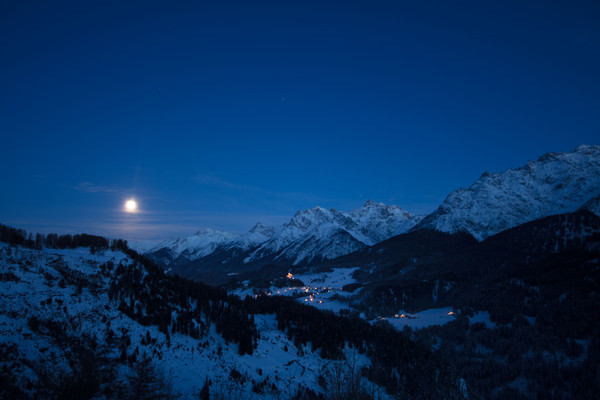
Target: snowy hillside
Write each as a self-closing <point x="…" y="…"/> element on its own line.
<point x="313" y="234"/>
<point x="65" y="294"/>
<point x="56" y="302"/>
<point x="95" y="323"/>
<point x="556" y="183"/>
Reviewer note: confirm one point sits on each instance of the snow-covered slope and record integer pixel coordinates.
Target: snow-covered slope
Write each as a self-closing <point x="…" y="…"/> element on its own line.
<point x="57" y="307"/>
<point x="556" y="183"/>
<point x="94" y="323"/>
<point x="312" y="234"/>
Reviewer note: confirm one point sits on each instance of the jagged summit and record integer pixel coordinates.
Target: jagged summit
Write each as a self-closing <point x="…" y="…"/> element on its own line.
<point x="379" y="221"/>
<point x="260" y="228"/>
<point x="555" y="183"/>
<point x="372" y="203"/>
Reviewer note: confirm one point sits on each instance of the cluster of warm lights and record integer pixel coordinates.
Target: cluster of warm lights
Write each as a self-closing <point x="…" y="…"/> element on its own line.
<point x="311" y="292"/>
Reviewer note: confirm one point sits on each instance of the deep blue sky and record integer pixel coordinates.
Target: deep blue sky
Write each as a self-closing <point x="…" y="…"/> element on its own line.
<point x="220" y="114"/>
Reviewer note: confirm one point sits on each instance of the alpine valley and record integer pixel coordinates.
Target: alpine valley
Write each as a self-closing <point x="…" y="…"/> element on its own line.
<point x="494" y="295"/>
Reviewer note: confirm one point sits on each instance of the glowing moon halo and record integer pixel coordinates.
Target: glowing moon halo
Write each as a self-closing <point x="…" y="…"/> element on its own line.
<point x="131" y="206"/>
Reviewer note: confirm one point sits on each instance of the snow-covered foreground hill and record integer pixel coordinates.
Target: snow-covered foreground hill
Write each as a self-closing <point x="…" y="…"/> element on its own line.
<point x="93" y="325"/>
<point x="44" y="317"/>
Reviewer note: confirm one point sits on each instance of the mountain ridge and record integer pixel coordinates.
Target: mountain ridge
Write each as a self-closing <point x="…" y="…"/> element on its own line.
<point x="556" y="183"/>
<point x="311" y="235"/>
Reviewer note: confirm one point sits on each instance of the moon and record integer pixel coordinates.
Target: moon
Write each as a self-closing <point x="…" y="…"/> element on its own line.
<point x="131" y="206"/>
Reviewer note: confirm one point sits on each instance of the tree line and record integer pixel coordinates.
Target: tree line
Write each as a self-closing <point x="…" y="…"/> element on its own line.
<point x="20" y="237"/>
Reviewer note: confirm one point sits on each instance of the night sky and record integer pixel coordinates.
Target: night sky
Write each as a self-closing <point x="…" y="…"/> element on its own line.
<point x="221" y="114"/>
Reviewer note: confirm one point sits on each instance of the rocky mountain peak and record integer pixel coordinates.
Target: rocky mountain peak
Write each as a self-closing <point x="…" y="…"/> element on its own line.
<point x="262" y="229"/>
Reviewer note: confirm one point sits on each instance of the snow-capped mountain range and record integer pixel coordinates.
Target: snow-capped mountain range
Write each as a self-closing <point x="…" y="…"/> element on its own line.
<point x="200" y="244"/>
<point x="554" y="184"/>
<point x="313" y="234"/>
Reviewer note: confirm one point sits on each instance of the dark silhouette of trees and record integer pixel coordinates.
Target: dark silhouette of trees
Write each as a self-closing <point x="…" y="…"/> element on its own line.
<point x="19" y="237"/>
